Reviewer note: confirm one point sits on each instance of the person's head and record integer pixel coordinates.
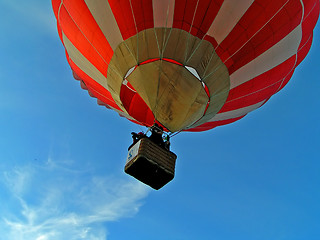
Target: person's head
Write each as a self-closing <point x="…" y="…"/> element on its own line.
<point x="157" y="130"/>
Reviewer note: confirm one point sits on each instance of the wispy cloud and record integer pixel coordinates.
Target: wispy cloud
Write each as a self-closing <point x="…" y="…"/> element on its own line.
<point x="58" y="204"/>
<point x="18" y="179"/>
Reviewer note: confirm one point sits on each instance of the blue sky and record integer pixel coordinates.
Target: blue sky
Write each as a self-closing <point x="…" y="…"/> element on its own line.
<point x="62" y="156"/>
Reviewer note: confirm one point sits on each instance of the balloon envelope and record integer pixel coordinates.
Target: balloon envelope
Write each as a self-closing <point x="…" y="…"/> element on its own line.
<point x="190" y="65"/>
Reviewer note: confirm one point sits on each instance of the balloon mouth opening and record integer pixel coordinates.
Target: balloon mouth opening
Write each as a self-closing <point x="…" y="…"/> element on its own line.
<point x="192" y="70"/>
<point x="174" y="93"/>
<point x="176" y="79"/>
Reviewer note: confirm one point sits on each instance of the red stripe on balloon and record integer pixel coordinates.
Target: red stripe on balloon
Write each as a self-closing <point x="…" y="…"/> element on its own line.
<point x="55" y="7"/>
<point x="309" y="22"/>
<point x="304" y="50"/>
<point x="98" y="90"/>
<point x="124" y="16"/>
<point x="262" y="26"/>
<point x="132" y="16"/>
<point x="259" y="88"/>
<point x="195" y="16"/>
<point x="135" y="105"/>
<point x="209" y="125"/>
<point x="81" y="29"/>
<point x="143" y="14"/>
<point x="183" y="14"/>
<point x="206" y="12"/>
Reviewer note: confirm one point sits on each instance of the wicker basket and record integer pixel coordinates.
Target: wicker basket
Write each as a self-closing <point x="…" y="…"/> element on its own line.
<point x="150" y="163"/>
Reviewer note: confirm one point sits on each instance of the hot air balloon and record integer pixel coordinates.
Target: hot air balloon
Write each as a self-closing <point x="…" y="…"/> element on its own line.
<point x="187" y="65"/>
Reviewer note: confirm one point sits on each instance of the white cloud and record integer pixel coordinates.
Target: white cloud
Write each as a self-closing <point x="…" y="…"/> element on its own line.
<point x="17" y="179"/>
<point x="56" y="204"/>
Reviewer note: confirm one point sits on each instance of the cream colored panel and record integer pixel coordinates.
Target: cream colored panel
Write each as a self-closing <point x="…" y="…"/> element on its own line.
<point x="145" y="80"/>
<point x="162" y="35"/>
<point x="148" y="45"/>
<point x="103" y="15"/>
<point x="183" y="100"/>
<point x="274" y="56"/>
<point x="219" y="86"/>
<point x="163" y="11"/>
<point x="213" y="73"/>
<point x="114" y="83"/>
<point x="176" y="45"/>
<point x="90" y="69"/>
<point x="174" y="95"/>
<point x="236" y="113"/>
<point x="228" y="16"/>
<point x="124" y="58"/>
<point x="130" y="53"/>
<point x="84" y="64"/>
<point x="201" y="55"/>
